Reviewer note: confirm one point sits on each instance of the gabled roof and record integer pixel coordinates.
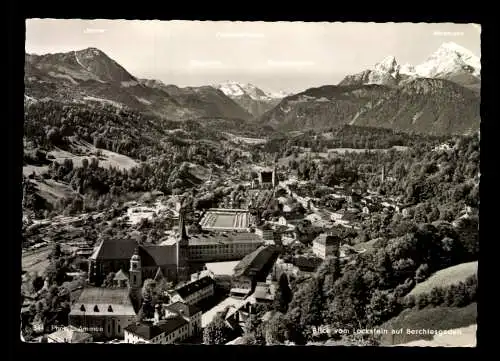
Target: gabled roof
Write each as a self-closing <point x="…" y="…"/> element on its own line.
<point x="148" y="331"/>
<point x="192" y="287"/>
<point x="114" y="249"/>
<point x="117" y="298"/>
<point x="253" y="263"/>
<point x="152" y="255"/>
<point x="120" y="276"/>
<point x="179" y="306"/>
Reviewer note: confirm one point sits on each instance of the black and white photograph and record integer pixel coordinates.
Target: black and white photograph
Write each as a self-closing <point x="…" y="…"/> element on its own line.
<point x="250" y="183"/>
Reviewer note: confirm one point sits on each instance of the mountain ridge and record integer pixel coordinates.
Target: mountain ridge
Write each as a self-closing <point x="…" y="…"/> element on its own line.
<point x="387" y="95"/>
<point x="435" y="106"/>
<point x="91" y="75"/>
<point x="450" y="61"/>
<point x="253" y="99"/>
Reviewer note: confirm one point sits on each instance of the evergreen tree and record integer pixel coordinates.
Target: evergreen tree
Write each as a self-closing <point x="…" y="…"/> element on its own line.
<point x="217" y="332"/>
<point x="283" y="294"/>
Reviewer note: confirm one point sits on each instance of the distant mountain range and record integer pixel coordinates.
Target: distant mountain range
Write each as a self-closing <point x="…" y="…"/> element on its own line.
<point x="89" y="75"/>
<point x="254" y="100"/>
<point x="439" y="96"/>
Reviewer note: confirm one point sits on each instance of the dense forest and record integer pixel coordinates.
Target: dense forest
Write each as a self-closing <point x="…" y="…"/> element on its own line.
<point x="345" y="136"/>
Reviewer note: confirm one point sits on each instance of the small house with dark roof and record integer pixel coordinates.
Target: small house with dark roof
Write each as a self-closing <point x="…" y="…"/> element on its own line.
<point x="193" y="292"/>
<point x="354" y="198"/>
<point x="103" y="312"/>
<point x="306" y="264"/>
<point x="326" y="245"/>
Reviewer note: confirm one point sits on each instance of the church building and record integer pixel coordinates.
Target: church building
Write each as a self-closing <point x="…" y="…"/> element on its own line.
<point x="138" y="262"/>
<point x="145" y="261"/>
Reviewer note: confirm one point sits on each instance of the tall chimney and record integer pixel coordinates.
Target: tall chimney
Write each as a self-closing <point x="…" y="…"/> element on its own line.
<point x="157" y="316"/>
<point x="182" y="225"/>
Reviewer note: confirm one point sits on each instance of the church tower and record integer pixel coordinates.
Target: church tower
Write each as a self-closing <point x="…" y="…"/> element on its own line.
<point x="135" y="271"/>
<point x="182" y="249"/>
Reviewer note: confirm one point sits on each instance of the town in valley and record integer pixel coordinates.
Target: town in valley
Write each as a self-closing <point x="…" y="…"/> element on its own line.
<point x="344" y="213"/>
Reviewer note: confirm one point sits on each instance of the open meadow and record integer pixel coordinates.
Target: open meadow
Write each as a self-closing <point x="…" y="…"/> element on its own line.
<point x="446" y="277"/>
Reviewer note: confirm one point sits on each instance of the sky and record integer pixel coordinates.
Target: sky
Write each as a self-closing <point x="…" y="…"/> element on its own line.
<point x="289" y="56"/>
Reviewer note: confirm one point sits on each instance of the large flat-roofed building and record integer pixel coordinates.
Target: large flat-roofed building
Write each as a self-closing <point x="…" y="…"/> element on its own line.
<point x="222" y="246"/>
<point x="220" y="219"/>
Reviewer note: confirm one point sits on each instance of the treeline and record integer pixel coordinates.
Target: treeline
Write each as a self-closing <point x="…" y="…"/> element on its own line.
<point x="455" y="295"/>
<point x="53" y="124"/>
<point x="345" y="136"/>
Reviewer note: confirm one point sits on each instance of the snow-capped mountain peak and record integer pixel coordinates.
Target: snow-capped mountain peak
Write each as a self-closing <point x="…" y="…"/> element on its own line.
<point x="280" y="94"/>
<point x="235" y="89"/>
<point x="450" y="61"/>
<point x="450" y="58"/>
<point x="388" y="65"/>
<point x="251" y="98"/>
